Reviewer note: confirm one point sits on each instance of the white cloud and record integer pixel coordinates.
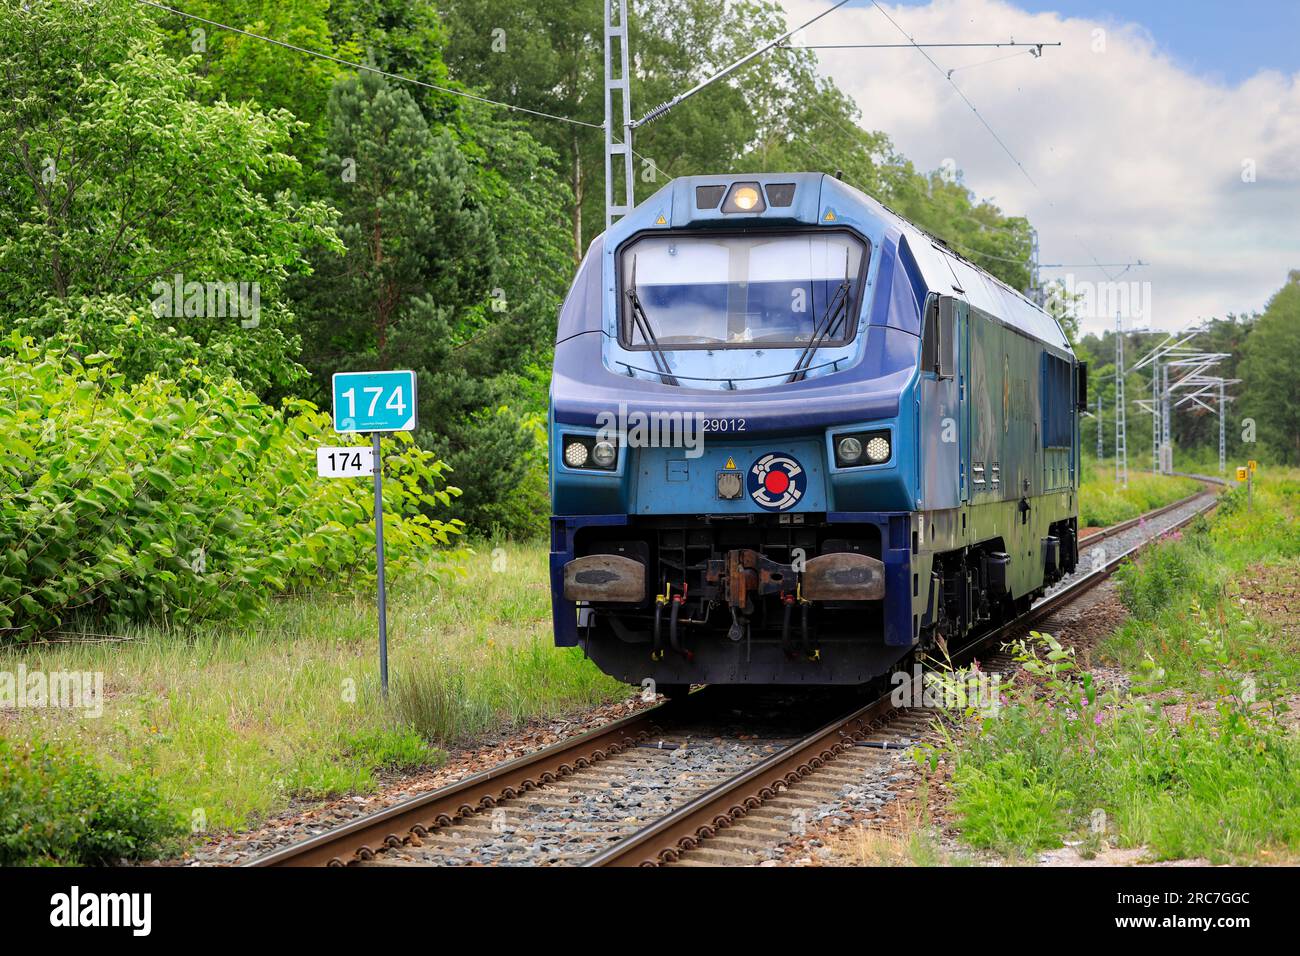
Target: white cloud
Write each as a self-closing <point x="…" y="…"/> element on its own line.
<point x="1133" y="156"/>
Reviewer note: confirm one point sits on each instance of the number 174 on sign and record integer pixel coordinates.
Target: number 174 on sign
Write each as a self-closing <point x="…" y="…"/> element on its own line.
<point x="374" y="401"/>
<point x="345" y="462"/>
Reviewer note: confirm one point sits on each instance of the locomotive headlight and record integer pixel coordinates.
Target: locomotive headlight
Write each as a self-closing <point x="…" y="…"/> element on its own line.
<point x="746" y="197"/>
<point x="589" y="453"/>
<point x="575" y="454"/>
<point x="878" y="449"/>
<point x="849" y="450"/>
<point x="862" y="448"/>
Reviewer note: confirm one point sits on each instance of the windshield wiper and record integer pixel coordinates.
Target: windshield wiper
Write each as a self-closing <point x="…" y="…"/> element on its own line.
<point x="823" y="330"/>
<point x="647" y="332"/>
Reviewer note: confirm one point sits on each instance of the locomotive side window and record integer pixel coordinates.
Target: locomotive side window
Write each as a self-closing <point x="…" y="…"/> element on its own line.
<point x="775" y="290"/>
<point x="1057" y="400"/>
<point x="939" y="336"/>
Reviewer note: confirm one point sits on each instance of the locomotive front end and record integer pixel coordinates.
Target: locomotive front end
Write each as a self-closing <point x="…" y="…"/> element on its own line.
<point x="732" y="452"/>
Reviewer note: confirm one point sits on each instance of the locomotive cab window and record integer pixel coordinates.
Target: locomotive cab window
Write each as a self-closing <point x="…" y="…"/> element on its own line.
<point x="757" y="290"/>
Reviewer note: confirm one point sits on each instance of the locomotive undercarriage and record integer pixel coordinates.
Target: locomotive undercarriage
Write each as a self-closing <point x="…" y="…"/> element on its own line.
<point x="970" y="590"/>
<point x="791" y="598"/>
<point x="781" y="599"/>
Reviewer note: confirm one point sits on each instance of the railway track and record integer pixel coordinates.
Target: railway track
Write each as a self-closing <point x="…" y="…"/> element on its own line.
<point x="706" y="780"/>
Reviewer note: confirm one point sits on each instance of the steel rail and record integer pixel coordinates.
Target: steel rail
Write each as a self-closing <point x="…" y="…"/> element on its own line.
<point x="1111" y="530"/>
<point x="363" y="837"/>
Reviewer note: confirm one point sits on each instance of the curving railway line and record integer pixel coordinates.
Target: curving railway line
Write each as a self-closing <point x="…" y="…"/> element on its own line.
<point x="717" y="778"/>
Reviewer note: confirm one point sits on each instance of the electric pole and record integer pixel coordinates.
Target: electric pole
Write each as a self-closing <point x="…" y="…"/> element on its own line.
<point x="617" y="150"/>
<point x="1121" y="436"/>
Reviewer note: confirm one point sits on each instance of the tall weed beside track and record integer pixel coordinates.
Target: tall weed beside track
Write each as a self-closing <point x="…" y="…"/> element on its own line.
<point x="1060" y="758"/>
<point x="1198" y="756"/>
<point x="174" y="500"/>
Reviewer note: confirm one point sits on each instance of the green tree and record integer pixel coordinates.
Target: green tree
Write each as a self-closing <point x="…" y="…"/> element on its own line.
<point x="242" y="69"/>
<point x="420" y="285"/>
<point x="493" y="332"/>
<point x="118" y="178"/>
<point x="1270" y="385"/>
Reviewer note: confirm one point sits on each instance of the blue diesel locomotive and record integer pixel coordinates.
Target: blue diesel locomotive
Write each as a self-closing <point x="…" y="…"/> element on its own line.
<point x="794" y="439"/>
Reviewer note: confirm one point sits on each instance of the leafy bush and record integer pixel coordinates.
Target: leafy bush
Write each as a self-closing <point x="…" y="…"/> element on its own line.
<point x="178" y="499"/>
<point x="57" y="807"/>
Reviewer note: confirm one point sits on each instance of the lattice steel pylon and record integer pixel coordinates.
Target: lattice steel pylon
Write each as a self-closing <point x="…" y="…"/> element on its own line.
<point x="617" y="150"/>
<point x="1121" y="424"/>
<point x="1035" y="293"/>
<point x="1180" y="375"/>
<point x="1170" y="351"/>
<point x="1155" y="418"/>
<point x="1223" y="418"/>
<point x="1166" y="436"/>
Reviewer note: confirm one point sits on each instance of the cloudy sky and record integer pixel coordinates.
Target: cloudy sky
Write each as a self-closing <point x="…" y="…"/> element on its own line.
<point x="1163" y="131"/>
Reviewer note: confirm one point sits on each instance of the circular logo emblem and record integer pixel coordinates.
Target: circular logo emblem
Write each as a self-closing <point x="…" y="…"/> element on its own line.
<point x="776" y="481"/>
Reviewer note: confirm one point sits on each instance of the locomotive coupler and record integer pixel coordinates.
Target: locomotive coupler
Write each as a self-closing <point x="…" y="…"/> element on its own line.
<point x="810" y="652"/>
<point x="787" y="608"/>
<point x="743" y="573"/>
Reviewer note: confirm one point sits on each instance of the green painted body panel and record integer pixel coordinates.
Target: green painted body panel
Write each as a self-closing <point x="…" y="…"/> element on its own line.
<point x="972" y="488"/>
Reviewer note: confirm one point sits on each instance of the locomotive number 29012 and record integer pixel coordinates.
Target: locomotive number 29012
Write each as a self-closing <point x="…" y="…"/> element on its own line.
<point x="722" y="425"/>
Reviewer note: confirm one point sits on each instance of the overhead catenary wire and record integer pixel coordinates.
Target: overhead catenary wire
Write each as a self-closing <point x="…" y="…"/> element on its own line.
<point x="663" y="108"/>
<point x="908" y="46"/>
<point x="996" y="59"/>
<point x="371" y="69"/>
<point x="965" y="99"/>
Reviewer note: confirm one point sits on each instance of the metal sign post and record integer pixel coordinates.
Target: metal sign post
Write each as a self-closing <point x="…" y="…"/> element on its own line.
<point x="374" y="402"/>
<point x="379" y="567"/>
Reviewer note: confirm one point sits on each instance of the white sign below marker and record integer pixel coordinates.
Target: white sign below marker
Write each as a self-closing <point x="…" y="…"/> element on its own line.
<point x="355" y="462"/>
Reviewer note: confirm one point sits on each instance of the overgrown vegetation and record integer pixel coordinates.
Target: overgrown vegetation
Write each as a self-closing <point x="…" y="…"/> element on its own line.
<point x="57" y="807"/>
<point x="1198" y="759"/>
<point x="1187" y="612"/>
<point x="176" y="499"/>
<point x="1103" y="502"/>
<point x="230" y="724"/>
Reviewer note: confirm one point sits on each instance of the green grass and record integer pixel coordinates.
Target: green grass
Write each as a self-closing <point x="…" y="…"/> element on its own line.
<point x="1197" y="787"/>
<point x="232" y="724"/>
<point x="1187" y="616"/>
<point x="1103" y="502"/>
<point x="1199" y="760"/>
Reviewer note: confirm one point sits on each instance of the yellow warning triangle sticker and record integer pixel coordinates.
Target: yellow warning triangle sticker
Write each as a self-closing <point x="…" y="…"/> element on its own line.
<point x="661" y="221"/>
<point x="830" y="215"/>
<point x="731" y="463"/>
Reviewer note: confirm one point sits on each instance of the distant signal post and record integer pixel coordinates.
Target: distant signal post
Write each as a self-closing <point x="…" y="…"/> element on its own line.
<point x="374" y="403"/>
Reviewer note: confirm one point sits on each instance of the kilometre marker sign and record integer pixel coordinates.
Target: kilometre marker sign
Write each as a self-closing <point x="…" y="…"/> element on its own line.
<point x="355" y="462"/>
<point x="374" y="401"/>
